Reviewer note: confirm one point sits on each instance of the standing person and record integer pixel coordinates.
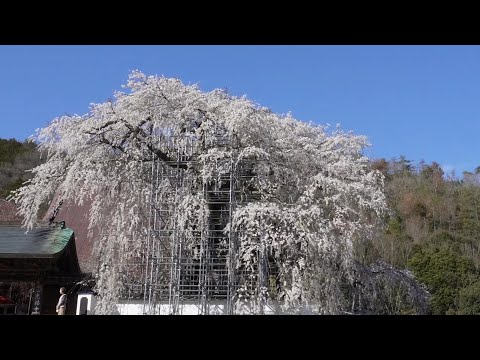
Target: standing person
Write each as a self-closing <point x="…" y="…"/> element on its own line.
<point x="62" y="302"/>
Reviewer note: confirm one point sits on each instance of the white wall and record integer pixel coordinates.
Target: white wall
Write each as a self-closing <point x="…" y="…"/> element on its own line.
<point x="191" y="308"/>
<point x="187" y="308"/>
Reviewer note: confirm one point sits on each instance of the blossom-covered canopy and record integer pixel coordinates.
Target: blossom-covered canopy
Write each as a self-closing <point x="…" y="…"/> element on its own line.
<point x="316" y="192"/>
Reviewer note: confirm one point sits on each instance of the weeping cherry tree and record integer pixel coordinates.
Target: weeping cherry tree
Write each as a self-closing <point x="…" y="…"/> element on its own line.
<point x="316" y="197"/>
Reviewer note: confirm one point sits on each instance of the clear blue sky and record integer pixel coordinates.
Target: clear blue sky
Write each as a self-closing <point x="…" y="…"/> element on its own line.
<point x="419" y="101"/>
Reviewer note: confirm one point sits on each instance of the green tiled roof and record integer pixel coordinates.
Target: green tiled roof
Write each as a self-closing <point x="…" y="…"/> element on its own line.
<point x="40" y="242"/>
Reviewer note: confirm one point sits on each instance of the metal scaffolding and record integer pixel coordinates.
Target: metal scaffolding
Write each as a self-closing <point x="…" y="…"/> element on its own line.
<point x="175" y="266"/>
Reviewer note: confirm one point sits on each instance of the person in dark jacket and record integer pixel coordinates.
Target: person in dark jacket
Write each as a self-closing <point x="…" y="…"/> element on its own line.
<point x="62" y="302"/>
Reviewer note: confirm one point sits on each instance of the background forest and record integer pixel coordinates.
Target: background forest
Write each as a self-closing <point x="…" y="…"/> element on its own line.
<point x="433" y="228"/>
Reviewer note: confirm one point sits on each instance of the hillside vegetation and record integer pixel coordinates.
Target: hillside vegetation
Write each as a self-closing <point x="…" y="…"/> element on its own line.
<point x="15" y="158"/>
<point x="433" y="228"/>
